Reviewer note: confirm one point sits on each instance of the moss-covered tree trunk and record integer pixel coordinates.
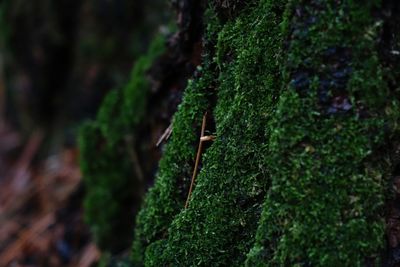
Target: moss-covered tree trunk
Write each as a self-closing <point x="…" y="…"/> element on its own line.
<point x="303" y="98"/>
<point x="119" y="150"/>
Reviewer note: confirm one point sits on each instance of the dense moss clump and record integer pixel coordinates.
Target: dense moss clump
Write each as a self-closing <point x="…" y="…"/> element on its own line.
<point x="219" y="225"/>
<point x="166" y="198"/>
<point x="113" y="185"/>
<point x="297" y="173"/>
<point x="327" y="158"/>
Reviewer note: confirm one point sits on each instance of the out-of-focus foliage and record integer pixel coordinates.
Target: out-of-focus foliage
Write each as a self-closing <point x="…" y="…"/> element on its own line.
<point x="113" y="187"/>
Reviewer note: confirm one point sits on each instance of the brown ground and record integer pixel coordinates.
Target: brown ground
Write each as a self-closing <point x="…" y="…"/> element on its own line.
<point x="41" y="214"/>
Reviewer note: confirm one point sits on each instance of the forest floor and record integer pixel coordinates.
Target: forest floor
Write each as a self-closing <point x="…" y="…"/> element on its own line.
<point x="41" y="213"/>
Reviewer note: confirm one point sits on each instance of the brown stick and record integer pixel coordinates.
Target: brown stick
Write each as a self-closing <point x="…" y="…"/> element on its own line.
<point x="196" y="164"/>
<point x="22" y="166"/>
<point x="165" y="135"/>
<point x="27" y="236"/>
<point x="90" y="255"/>
<point x="207" y="138"/>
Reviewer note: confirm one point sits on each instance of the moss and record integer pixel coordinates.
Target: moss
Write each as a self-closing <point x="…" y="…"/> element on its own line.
<point x="166" y="198"/>
<point x="104" y="175"/>
<point x="218" y="227"/>
<point x="123" y="109"/>
<point x="297" y="174"/>
<point x="107" y="170"/>
<point x="327" y="157"/>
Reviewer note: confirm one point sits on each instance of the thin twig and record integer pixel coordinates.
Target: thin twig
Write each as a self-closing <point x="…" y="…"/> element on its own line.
<point x="90" y="255"/>
<point x="25" y="159"/>
<point x="196" y="164"/>
<point x="207" y="138"/>
<point x="26" y="237"/>
<point x="165" y="135"/>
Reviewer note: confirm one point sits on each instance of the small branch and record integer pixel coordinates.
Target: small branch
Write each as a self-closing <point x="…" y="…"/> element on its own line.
<point x="19" y="176"/>
<point x="167" y="133"/>
<point x="198" y="156"/>
<point x="89" y="256"/>
<point x="26" y="237"/>
<point x="207" y="138"/>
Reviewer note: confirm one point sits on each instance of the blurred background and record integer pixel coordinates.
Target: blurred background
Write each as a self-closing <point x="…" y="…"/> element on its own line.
<point x="58" y="59"/>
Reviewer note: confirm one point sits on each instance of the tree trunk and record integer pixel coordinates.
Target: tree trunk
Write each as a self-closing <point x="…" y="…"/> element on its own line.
<point x="303" y="100"/>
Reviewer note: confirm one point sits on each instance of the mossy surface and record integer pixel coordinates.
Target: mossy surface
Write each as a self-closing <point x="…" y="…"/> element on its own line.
<point x="166" y="198"/>
<point x="298" y="171"/>
<point x="108" y="172"/>
<point x="218" y="227"/>
<point x="328" y="159"/>
<point x="123" y="109"/>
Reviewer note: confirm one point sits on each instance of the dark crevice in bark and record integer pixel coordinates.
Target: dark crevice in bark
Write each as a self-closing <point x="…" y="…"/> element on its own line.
<point x="229" y="9"/>
<point x="168" y="77"/>
<point x="389" y="53"/>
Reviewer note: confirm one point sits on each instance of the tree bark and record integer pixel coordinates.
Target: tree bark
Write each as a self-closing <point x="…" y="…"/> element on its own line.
<point x="302" y="98"/>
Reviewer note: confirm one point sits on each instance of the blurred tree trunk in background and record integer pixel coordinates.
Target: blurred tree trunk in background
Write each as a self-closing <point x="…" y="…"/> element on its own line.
<point x="61" y="57"/>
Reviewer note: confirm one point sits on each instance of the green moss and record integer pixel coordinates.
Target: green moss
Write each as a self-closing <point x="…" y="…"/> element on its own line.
<point x="297" y="174"/>
<point x="218" y="227"/>
<point x="105" y="177"/>
<point x="107" y="170"/>
<point x="327" y="162"/>
<point x="166" y="198"/>
<point x="123" y="109"/>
